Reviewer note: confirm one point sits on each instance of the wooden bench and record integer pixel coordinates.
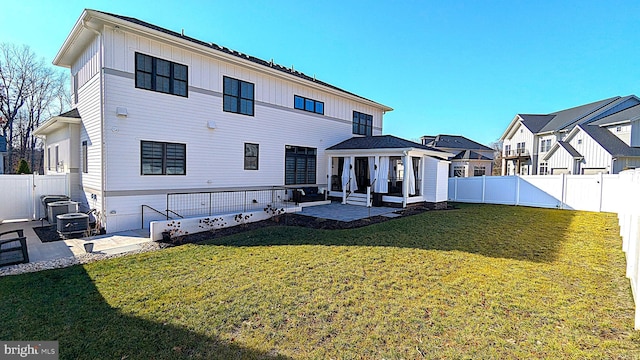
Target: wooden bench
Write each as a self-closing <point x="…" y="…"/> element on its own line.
<point x="13" y="250"/>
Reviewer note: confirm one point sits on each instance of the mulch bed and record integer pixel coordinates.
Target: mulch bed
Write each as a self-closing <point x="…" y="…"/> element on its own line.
<point x="47" y="233"/>
<point x="297" y="220"/>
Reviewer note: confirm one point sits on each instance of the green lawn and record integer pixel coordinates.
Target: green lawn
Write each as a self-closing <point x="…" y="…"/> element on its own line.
<point x="482" y="281"/>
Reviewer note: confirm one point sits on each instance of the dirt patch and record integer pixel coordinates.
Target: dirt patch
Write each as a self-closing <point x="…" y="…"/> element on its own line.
<point x="299" y="220"/>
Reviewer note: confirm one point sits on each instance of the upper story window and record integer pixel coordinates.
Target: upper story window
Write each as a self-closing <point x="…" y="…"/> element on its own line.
<point x="238" y="96"/>
<point x="362" y="123"/>
<point x="161" y="75"/>
<point x="310" y="105"/>
<point x="160" y="158"/>
<point x="520" y="147"/>
<point x="507" y="150"/>
<point x="545" y="145"/>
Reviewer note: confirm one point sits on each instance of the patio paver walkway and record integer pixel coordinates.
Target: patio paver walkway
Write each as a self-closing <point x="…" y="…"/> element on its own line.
<point x="340" y="212"/>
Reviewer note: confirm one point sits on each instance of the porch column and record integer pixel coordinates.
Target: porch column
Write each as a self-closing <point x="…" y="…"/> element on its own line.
<point x="329" y="174"/>
<point x="406" y="161"/>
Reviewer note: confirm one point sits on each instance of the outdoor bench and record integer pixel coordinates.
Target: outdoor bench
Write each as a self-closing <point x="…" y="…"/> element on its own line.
<point x="13" y="250"/>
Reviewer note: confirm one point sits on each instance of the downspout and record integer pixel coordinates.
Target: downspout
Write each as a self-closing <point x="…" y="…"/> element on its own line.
<point x="102" y="127"/>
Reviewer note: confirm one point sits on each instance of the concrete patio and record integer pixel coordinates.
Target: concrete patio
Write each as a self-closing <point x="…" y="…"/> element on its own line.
<point x="340" y="212"/>
<point x="106" y="244"/>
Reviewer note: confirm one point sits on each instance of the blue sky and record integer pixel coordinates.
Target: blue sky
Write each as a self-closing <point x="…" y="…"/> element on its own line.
<point x="446" y="67"/>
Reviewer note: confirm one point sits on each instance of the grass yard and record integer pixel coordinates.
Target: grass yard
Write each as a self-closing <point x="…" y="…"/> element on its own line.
<point x="483" y="281"/>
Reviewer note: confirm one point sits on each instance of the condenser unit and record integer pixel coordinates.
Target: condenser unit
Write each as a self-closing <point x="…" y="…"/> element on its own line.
<point x="73" y="223"/>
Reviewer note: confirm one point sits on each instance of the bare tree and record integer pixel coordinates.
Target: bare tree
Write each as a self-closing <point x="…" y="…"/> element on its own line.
<point x="497" y="157"/>
<point x="31" y="91"/>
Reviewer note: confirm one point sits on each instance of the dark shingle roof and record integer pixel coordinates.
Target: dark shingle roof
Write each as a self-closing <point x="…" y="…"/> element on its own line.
<point x="379" y="142"/>
<point x="626" y="114"/>
<point x="238" y="54"/>
<point x="455" y="142"/>
<point x="469" y="155"/>
<point x="71" y="114"/>
<point x="534" y="122"/>
<point x="611" y="143"/>
<point x="570" y="149"/>
<point x="566" y="119"/>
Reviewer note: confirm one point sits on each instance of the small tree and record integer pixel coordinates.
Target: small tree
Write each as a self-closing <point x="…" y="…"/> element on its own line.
<point x="23" y="168"/>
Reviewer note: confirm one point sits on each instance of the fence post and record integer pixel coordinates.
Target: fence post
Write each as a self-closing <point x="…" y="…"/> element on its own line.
<point x="484" y="187"/>
<point x="563" y="195"/>
<point x="517" y="190"/>
<point x="601" y="181"/>
<point x="455" y="188"/>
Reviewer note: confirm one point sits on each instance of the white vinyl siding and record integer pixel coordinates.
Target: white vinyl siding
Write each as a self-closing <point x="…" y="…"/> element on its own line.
<point x="623" y="132"/>
<point x="88" y="64"/>
<point x="595" y="156"/>
<point x="207" y="70"/>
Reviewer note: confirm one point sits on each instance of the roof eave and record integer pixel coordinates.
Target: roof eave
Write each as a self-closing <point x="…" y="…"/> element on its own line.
<point x="53" y="124"/>
<point x="95" y="17"/>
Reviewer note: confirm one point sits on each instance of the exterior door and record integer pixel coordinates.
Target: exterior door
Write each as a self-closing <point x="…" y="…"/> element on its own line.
<point x="362" y="173"/>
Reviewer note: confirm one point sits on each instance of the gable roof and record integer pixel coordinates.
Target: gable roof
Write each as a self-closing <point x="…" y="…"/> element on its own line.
<point x="535" y="122"/>
<point x="454" y="142"/>
<point x="570" y="149"/>
<point x="470" y="155"/>
<point x="611" y="143"/>
<point x="89" y="14"/>
<point x="564" y="145"/>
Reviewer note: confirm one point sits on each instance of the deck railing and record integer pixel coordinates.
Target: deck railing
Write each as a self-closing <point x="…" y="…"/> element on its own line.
<point x="208" y="203"/>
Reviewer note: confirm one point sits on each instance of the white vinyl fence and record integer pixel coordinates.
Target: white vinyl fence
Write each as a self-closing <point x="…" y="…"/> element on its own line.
<point x="20" y="194"/>
<point x="618" y="193"/>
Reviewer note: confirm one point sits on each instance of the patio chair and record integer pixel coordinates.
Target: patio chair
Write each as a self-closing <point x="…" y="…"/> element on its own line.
<point x="13" y="250"/>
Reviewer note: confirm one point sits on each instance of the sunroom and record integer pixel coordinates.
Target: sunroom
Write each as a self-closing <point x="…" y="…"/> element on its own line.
<point x="376" y="170"/>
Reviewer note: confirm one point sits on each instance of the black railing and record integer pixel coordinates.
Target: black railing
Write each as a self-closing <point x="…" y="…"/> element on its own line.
<point x="516" y="153"/>
<point x="208" y="203"/>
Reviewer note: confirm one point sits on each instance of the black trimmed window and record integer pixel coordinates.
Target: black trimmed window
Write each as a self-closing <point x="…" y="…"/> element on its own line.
<point x="238" y="96"/>
<point x="362" y="123"/>
<point x="85" y="158"/>
<point x="160" y="158"/>
<point x="310" y="105"/>
<point x="161" y="75"/>
<point x="299" y="165"/>
<point x="251" y="152"/>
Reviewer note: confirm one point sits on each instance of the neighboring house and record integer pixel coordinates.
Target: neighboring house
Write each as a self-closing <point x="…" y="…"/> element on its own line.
<point x="156" y="112"/>
<point x="470" y="158"/>
<point x="599" y="137"/>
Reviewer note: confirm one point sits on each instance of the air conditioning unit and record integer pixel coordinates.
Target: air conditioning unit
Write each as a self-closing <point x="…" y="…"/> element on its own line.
<point x="60" y="207"/>
<point x="47" y="199"/>
<point x="73" y="223"/>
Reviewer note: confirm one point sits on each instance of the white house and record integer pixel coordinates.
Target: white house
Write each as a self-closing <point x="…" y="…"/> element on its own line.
<point x="602" y="136"/>
<point x="469" y="158"/>
<point x="157" y="112"/>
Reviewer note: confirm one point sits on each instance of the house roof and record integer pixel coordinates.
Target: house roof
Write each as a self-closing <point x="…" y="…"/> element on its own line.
<point x="535" y="122"/>
<point x="611" y="143"/>
<point x="619" y="117"/>
<point x="470" y="155"/>
<point x="379" y="142"/>
<point x="565" y="119"/>
<point x="71" y="114"/>
<point x="454" y="142"/>
<point x="570" y="149"/>
<point x="87" y="14"/>
<point x="56" y="122"/>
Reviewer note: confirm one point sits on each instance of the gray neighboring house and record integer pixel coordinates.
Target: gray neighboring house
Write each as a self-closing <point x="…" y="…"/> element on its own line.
<point x="599" y="137"/>
<point x="470" y="158"/>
